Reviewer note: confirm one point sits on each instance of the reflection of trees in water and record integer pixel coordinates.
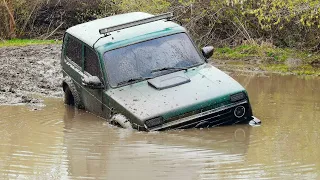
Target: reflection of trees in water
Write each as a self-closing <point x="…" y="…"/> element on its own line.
<point x="289" y="109"/>
<point x="87" y="143"/>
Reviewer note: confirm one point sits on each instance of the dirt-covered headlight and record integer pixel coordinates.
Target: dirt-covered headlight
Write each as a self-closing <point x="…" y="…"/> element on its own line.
<point x="154" y="122"/>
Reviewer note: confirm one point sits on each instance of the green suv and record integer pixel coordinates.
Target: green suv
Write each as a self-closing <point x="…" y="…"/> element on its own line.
<point x="144" y="72"/>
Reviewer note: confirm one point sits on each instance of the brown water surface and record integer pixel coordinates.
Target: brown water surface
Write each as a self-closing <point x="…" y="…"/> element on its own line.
<point x="59" y="142"/>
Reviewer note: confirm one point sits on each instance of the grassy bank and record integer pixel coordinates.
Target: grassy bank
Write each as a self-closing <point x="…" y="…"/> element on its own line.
<point x="252" y="57"/>
<point x="266" y="57"/>
<point x="26" y="42"/>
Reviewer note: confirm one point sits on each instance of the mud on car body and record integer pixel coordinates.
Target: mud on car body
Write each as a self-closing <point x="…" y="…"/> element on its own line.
<point x="143" y="71"/>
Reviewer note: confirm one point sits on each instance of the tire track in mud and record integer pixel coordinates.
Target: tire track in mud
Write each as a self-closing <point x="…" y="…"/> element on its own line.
<point x="29" y="70"/>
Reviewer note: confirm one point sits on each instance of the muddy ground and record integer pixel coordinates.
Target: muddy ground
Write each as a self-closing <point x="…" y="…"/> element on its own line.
<point x="27" y="72"/>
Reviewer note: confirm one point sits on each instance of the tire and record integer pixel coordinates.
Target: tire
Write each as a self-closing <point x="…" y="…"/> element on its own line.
<point x="121" y="120"/>
<point x="71" y="97"/>
<point x="68" y="97"/>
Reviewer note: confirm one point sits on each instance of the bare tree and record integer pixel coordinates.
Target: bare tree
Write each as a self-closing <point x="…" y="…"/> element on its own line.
<point x="12" y="24"/>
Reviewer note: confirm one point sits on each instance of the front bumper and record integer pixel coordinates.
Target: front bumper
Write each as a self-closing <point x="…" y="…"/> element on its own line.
<point x="215" y="117"/>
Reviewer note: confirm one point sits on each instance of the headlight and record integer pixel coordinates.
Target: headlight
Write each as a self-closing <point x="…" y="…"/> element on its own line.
<point x="154" y="122"/>
<point x="237" y="97"/>
<point x="239" y="111"/>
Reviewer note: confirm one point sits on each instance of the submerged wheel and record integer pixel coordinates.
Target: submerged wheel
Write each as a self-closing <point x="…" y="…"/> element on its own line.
<point x="121" y="120"/>
<point x="71" y="97"/>
<point x="68" y="97"/>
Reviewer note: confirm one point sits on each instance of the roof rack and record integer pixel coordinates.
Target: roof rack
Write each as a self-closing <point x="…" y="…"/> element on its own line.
<point x="107" y="30"/>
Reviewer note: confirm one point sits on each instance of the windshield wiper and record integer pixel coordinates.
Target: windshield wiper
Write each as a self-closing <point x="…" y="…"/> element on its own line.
<point x="134" y="80"/>
<point x="169" y="68"/>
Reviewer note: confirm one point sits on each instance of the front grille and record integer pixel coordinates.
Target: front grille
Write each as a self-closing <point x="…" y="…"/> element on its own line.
<point x="207" y="108"/>
<point x="210" y="120"/>
<point x="215" y="117"/>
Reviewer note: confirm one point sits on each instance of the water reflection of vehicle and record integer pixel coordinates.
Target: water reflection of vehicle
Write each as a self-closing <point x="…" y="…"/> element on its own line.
<point x="100" y="151"/>
<point x="226" y="139"/>
<point x="86" y="141"/>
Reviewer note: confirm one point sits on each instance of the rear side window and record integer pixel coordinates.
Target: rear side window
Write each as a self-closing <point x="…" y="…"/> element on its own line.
<point x="91" y="63"/>
<point x="73" y="50"/>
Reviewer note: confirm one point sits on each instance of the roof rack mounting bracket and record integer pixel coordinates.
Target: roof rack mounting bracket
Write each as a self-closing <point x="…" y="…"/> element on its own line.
<point x="108" y="30"/>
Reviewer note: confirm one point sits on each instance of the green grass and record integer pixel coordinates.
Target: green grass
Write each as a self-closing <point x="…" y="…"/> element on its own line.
<point x="268" y="53"/>
<point x="282" y="68"/>
<point x="240" y="52"/>
<point x="272" y="59"/>
<point x="26" y="42"/>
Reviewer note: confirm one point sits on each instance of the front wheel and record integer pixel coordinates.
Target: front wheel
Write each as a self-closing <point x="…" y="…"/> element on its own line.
<point x="72" y="98"/>
<point x="121" y="120"/>
<point x="68" y="97"/>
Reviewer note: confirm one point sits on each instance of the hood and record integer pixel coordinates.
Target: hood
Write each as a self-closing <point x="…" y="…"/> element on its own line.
<point x="205" y="85"/>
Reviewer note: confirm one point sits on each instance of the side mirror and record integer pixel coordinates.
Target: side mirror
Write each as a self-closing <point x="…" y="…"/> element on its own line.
<point x="207" y="51"/>
<point x="92" y="82"/>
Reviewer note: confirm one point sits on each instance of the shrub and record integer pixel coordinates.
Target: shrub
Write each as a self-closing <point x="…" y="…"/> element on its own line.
<point x="284" y="23"/>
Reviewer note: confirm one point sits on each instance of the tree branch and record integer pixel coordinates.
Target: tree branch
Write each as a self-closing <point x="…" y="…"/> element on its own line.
<point x="12" y="23"/>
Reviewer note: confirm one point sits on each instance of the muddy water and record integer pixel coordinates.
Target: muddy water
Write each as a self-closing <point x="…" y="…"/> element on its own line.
<point x="58" y="142"/>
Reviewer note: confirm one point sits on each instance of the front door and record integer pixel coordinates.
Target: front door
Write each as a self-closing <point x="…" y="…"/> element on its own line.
<point x="92" y="98"/>
<point x="72" y="58"/>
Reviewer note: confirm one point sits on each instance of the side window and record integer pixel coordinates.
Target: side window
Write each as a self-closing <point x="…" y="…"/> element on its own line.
<point x="91" y="63"/>
<point x="73" y="51"/>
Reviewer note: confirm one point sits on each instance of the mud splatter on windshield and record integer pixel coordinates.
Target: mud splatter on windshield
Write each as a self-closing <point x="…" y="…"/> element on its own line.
<point x="138" y="60"/>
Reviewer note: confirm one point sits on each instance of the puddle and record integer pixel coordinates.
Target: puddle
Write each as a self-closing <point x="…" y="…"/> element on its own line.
<point x="58" y="142"/>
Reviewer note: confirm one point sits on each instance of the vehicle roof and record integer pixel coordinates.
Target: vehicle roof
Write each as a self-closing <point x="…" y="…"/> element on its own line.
<point x="89" y="32"/>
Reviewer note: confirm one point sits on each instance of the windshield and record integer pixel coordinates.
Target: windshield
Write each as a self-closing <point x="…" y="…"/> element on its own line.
<point x="151" y="58"/>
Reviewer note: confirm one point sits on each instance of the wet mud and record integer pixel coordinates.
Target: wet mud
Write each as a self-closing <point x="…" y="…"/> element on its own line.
<point x="27" y="72"/>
